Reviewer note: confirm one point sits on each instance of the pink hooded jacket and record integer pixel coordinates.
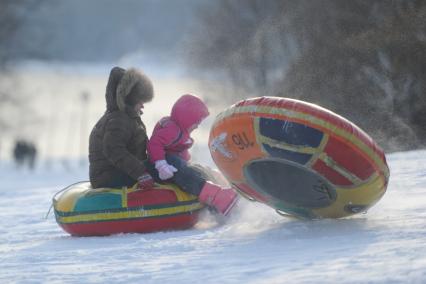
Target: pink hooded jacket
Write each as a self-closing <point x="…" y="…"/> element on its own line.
<point x="171" y="134"/>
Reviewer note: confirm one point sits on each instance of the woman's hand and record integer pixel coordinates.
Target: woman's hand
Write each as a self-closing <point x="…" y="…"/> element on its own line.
<point x="145" y="181"/>
<point x="165" y="171"/>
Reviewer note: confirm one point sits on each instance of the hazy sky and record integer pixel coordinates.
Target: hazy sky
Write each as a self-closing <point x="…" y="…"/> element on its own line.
<point x="104" y="30"/>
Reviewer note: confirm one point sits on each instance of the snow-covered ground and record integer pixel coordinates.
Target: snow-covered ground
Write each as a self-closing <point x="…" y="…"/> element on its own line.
<point x="386" y="245"/>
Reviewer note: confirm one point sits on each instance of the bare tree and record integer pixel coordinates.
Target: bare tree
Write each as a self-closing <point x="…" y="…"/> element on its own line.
<point x="8" y="25"/>
<point x="237" y="40"/>
<point x="13" y="15"/>
<point x="369" y="68"/>
<point x="363" y="59"/>
<point x="14" y="105"/>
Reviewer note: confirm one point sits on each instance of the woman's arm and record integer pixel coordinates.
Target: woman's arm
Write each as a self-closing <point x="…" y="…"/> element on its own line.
<point x="118" y="132"/>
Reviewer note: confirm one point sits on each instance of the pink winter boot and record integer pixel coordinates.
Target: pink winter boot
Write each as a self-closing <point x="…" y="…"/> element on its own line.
<point x="221" y="199"/>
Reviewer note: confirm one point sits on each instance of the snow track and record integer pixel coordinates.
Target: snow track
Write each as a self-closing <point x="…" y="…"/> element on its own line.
<point x="386" y="245"/>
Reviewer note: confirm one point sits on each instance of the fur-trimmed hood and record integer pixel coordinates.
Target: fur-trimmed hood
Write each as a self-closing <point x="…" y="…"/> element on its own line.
<point x="110" y="95"/>
<point x="125" y="83"/>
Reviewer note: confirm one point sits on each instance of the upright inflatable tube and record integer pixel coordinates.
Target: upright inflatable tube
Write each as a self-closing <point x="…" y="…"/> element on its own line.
<point x="298" y="158"/>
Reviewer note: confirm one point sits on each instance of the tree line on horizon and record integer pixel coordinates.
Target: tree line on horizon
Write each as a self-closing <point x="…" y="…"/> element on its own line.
<point x="12" y="18"/>
<point x="363" y="59"/>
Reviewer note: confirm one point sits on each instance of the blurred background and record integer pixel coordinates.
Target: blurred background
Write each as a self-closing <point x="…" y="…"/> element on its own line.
<point x="363" y="59"/>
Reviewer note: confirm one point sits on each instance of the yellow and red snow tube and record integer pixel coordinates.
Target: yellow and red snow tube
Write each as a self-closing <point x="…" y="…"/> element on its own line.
<point x="83" y="211"/>
<point x="298" y="158"/>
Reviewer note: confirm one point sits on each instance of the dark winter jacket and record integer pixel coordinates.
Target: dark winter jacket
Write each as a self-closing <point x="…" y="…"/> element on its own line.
<point x="117" y="143"/>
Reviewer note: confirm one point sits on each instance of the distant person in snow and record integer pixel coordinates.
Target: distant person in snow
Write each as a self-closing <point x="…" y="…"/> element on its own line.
<point x="169" y="155"/>
<point x="19" y="152"/>
<point x="117" y="143"/>
<point x="25" y="152"/>
<point x="32" y="155"/>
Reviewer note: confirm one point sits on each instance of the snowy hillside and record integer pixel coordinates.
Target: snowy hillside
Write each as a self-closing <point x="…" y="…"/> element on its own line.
<point x="386" y="245"/>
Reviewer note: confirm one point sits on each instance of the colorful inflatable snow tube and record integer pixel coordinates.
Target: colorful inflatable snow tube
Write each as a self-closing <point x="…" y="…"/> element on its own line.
<point x="298" y="158"/>
<point x="83" y="211"/>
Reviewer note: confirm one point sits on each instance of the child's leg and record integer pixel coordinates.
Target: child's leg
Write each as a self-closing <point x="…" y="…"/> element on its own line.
<point x="192" y="181"/>
<point x="187" y="178"/>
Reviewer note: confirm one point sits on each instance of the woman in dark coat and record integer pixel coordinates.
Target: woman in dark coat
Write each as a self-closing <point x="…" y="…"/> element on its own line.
<point x="117" y="144"/>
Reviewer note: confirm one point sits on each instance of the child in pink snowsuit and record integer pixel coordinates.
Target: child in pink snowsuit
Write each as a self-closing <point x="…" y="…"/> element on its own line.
<point x="168" y="153"/>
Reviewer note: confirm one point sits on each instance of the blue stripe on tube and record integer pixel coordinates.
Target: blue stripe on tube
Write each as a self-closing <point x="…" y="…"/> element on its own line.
<point x="291" y="133"/>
